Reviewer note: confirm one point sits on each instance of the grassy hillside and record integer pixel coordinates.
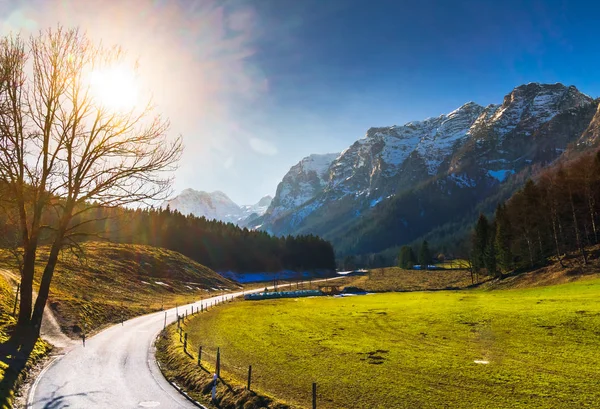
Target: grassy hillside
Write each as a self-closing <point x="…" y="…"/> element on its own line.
<point x="115" y="281"/>
<point x="398" y="279"/>
<point x="519" y="348"/>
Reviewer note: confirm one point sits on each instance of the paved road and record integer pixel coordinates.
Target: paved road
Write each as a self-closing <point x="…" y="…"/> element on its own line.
<point x="116" y="369"/>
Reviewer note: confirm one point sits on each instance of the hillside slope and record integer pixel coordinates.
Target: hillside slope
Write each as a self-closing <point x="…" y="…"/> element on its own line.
<point x="120" y="281"/>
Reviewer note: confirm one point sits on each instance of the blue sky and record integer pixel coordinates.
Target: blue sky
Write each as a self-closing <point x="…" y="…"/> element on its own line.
<point x="254" y="86"/>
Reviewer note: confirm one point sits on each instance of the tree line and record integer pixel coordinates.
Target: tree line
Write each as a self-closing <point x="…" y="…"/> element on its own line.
<point x="556" y="214"/>
<point x="408" y="258"/>
<point x="215" y="244"/>
<point x="218" y="245"/>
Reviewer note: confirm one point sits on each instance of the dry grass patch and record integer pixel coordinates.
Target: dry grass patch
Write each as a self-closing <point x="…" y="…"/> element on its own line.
<point x="121" y="281"/>
<point x="398" y="279"/>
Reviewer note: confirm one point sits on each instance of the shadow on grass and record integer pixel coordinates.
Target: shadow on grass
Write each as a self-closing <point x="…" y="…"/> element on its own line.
<point x="14" y="356"/>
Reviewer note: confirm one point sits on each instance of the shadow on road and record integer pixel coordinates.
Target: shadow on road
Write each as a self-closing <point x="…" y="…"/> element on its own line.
<point x="59" y="401"/>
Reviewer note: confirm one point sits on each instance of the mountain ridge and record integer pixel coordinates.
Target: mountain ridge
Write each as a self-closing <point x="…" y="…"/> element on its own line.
<point x="465" y="155"/>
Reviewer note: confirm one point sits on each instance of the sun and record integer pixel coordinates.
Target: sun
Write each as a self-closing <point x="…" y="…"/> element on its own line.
<point x="115" y="87"/>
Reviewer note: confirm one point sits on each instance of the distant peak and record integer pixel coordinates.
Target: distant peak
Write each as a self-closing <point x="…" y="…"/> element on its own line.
<point x="534" y="86"/>
<point x="466" y="108"/>
<point x="189" y="191"/>
<point x="265" y="200"/>
<point x="321" y="155"/>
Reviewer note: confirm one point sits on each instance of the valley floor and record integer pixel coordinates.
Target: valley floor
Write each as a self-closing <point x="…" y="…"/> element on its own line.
<point x="517" y="348"/>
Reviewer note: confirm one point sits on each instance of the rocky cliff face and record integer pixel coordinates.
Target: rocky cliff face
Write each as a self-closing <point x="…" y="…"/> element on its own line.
<point x="591" y="136"/>
<point x="304" y="181"/>
<point x="473" y="148"/>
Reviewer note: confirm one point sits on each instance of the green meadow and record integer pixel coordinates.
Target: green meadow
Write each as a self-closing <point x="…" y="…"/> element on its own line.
<point x="526" y="348"/>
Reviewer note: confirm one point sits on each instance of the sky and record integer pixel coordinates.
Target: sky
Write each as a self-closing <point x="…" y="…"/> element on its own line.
<point x="255" y="86"/>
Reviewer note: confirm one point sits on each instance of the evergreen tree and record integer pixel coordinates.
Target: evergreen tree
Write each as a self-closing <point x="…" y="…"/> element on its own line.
<point x="424" y="255"/>
<point x="490" y="251"/>
<point x="350" y="262"/>
<point x="502" y="240"/>
<point x="480" y="242"/>
<point x="406" y="259"/>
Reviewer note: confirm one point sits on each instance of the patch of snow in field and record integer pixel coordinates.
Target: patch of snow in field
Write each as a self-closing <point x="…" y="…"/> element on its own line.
<point x="161" y="283"/>
<point x="145" y="282"/>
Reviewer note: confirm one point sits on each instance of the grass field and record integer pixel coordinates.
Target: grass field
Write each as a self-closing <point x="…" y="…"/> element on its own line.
<point x="457" y="263"/>
<point x="416" y="350"/>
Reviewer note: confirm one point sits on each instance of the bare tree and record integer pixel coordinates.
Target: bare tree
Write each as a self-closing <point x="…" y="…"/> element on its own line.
<point x="63" y="152"/>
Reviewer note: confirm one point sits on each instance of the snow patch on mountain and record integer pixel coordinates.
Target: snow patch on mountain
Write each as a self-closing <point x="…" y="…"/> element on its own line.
<point x="500" y="175"/>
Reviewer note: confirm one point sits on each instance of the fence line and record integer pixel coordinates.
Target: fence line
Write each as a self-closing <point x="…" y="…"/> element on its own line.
<point x="203" y="353"/>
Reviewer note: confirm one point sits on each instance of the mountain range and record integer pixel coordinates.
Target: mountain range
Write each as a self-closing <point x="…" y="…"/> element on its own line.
<point x="218" y="206"/>
<point x="398" y="184"/>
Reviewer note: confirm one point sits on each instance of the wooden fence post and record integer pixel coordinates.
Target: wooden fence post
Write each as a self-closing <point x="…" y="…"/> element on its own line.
<point x="165" y="320"/>
<point x="218" y="362"/>
<point x="200" y="356"/>
<point x="185" y="343"/>
<point x="314" y="397"/>
<point x="249" y="376"/>
<point x="16" y="299"/>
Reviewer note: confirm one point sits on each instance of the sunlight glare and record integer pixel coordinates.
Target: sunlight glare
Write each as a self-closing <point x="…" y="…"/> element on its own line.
<point x="115" y="87"/>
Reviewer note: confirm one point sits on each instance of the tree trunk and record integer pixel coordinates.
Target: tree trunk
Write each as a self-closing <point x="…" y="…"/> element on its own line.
<point x="40" y="302"/>
<point x="576" y="225"/>
<point x="541" y="258"/>
<point x="26" y="295"/>
<point x="556" y="242"/>
<point x="592" y="206"/>
<point x="529" y="249"/>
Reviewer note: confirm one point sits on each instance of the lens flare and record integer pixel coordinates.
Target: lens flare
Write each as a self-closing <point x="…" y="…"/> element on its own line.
<point x="115" y="87"/>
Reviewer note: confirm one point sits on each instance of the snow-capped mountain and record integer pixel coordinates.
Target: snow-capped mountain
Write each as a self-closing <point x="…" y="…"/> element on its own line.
<point x="304" y="181"/>
<point x="466" y="154"/>
<point x="216" y="205"/>
<point x="259" y="208"/>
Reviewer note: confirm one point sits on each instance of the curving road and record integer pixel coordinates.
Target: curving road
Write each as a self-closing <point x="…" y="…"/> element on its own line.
<point x="116" y="369"/>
